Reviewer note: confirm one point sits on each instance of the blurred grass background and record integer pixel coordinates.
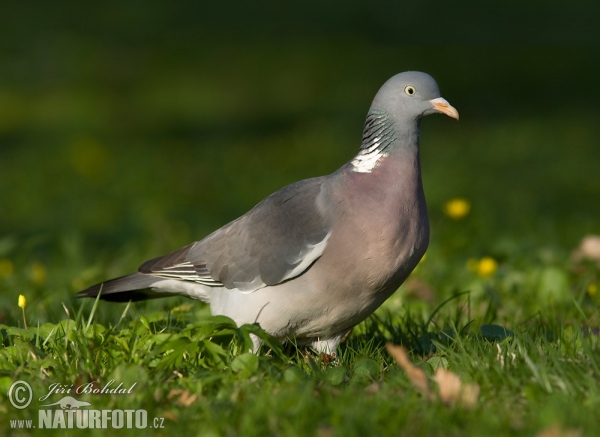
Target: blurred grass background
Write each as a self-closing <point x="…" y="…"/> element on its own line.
<point x="129" y="129"/>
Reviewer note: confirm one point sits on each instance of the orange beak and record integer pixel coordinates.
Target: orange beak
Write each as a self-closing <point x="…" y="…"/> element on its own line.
<point x="441" y="105"/>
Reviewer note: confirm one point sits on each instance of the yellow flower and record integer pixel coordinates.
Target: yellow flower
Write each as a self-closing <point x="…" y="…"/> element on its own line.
<point x="592" y="289"/>
<point x="38" y="273"/>
<point x="457" y="208"/>
<point x="6" y="268"/>
<point x="22" y="303"/>
<point x="487" y="266"/>
<point x="484" y="267"/>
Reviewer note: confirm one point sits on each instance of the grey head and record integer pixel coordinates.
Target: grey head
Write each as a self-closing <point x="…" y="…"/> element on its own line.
<point x="393" y="121"/>
<point x="409" y="96"/>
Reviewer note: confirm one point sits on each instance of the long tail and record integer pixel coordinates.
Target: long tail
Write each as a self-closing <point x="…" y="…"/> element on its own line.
<point x="132" y="287"/>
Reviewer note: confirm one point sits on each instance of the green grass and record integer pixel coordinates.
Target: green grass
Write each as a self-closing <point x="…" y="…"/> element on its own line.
<point x="195" y="371"/>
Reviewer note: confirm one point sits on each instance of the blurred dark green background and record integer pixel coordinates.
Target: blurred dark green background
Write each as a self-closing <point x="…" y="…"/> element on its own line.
<point x="128" y="129"/>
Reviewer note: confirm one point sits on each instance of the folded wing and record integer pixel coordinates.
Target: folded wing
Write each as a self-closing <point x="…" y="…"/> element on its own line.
<point x="277" y="240"/>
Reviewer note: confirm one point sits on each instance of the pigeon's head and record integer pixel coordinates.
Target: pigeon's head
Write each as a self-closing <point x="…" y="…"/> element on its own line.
<point x="412" y="95"/>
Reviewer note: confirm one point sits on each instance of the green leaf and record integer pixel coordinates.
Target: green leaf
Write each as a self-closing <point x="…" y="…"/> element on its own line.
<point x="22" y="348"/>
<point x="206" y="327"/>
<point x="335" y="375"/>
<point x="294" y="374"/>
<point x="5" y="383"/>
<point x="10" y="352"/>
<point x="174" y="352"/>
<point x="163" y="338"/>
<point x="495" y="332"/>
<point x="365" y="368"/>
<point x="20" y="332"/>
<point x="45" y="330"/>
<point x="438" y="363"/>
<point x="245" y="364"/>
<point x="216" y="354"/>
<point x="145" y="323"/>
<point x="130" y="374"/>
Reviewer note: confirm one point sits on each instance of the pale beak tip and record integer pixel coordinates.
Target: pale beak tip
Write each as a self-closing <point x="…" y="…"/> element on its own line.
<point x="441" y="105"/>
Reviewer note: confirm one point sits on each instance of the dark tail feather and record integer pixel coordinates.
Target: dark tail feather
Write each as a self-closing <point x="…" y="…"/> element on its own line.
<point x="132" y="287"/>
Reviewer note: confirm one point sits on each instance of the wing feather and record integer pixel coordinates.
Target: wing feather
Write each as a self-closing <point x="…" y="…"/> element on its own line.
<point x="277" y="240"/>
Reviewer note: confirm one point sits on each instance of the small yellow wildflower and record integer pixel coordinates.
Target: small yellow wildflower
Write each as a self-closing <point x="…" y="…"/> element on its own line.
<point x="487" y="267"/>
<point x="6" y="268"/>
<point x="484" y="267"/>
<point x="457" y="208"/>
<point x="38" y="273"/>
<point x="22" y="302"/>
<point x="592" y="289"/>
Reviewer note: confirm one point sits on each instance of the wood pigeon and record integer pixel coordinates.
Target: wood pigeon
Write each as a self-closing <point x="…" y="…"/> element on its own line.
<point x="317" y="257"/>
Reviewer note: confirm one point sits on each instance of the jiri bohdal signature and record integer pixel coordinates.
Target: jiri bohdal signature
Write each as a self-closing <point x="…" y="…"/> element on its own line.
<point x="88" y="388"/>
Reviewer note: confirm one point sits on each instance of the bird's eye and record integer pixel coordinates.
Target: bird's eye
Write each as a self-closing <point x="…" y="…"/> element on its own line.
<point x="410" y="90"/>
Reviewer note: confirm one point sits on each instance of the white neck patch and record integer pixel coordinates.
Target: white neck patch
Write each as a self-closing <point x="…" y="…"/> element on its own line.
<point x="367" y="159"/>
